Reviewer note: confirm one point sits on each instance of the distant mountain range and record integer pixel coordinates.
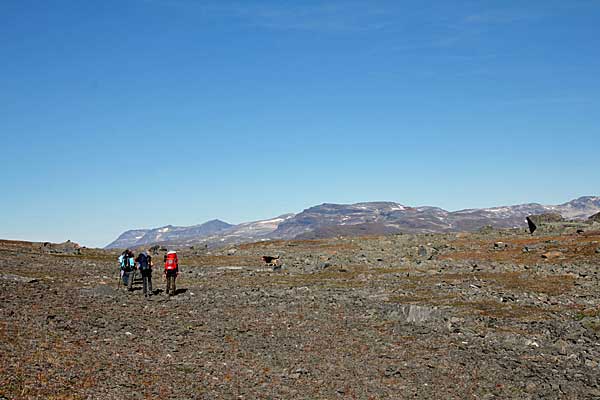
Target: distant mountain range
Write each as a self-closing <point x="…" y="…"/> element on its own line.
<point x="169" y="233"/>
<point x="328" y="220"/>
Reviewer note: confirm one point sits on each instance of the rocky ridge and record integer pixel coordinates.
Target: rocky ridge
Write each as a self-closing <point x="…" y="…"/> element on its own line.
<point x="167" y="234"/>
<point x="330" y="220"/>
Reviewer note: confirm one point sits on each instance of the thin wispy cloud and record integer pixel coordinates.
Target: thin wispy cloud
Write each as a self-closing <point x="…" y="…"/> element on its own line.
<point x="527" y="12"/>
<point x="438" y="28"/>
<point x="350" y="16"/>
<point x="455" y="29"/>
<point x="329" y="17"/>
<point x="492" y="18"/>
<point x="544" y="100"/>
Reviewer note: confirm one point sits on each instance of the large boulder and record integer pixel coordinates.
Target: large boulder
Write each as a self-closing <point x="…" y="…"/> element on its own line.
<point x="595" y="217"/>
<point x="67" y="247"/>
<point x="535" y="221"/>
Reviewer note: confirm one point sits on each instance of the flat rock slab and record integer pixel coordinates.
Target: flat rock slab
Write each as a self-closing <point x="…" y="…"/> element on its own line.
<point x="244" y="269"/>
<point x="415" y="314"/>
<point x="17" y="278"/>
<point x="102" y="290"/>
<point x="552" y="254"/>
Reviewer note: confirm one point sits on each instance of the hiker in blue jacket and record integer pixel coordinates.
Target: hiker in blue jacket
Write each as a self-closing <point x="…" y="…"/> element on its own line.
<point x="125" y="266"/>
<point x="130" y="269"/>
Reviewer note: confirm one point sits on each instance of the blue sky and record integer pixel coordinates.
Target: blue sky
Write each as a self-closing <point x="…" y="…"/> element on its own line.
<point x="119" y="114"/>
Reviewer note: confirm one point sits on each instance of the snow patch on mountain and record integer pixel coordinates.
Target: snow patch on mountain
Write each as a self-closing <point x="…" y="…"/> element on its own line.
<point x="376" y="217"/>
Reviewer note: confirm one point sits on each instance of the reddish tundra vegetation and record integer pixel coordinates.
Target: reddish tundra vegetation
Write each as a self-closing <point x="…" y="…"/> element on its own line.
<point x="500" y="314"/>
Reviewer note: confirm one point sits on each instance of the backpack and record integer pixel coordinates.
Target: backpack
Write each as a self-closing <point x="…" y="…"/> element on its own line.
<point x="171" y="261"/>
<point x="122" y="259"/>
<point x="144" y="261"/>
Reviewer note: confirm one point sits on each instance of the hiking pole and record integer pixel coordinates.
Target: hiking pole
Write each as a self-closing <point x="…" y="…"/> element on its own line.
<point x="118" y="278"/>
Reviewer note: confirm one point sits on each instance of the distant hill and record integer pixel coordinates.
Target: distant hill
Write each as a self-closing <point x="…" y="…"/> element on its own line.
<point x="169" y="233"/>
<point x="368" y="229"/>
<point x="328" y="220"/>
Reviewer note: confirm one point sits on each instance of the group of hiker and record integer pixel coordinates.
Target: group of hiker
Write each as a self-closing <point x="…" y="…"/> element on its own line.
<point x="130" y="265"/>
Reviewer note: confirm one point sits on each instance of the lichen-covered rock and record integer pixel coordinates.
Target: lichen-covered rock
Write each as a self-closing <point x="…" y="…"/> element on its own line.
<point x="534" y="221"/>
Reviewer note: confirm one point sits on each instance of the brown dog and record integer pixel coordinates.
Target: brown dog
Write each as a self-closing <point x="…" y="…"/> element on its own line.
<point x="271" y="261"/>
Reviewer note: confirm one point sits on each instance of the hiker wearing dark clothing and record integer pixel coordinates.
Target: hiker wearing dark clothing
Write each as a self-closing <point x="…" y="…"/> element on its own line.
<point x="144" y="262"/>
<point x="171" y="271"/>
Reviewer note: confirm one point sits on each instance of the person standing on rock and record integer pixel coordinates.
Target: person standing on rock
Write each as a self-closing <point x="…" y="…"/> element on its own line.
<point x="144" y="262"/>
<point x="171" y="271"/>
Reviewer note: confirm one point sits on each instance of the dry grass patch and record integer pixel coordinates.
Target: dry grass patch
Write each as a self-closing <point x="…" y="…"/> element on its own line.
<point x="573" y="247"/>
<point x="221" y="261"/>
<point x="518" y="281"/>
<point x="300" y="245"/>
<point x="327" y="279"/>
<point x="495" y="309"/>
<point x="423" y="299"/>
<point x="551" y="285"/>
<point x="351" y="276"/>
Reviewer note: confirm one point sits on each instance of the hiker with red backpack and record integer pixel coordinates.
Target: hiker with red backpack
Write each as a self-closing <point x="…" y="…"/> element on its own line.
<point x="171" y="271"/>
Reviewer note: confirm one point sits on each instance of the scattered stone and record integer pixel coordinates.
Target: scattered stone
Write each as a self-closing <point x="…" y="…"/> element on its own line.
<point x="590" y="363"/>
<point x="415" y="314"/>
<point x="561" y="346"/>
<point x="17" y="278"/>
<point x="101" y="290"/>
<point x="392" y="371"/>
<point x="486" y="230"/>
<point x="552" y="254"/>
<point x="381" y="329"/>
<point x="507" y="298"/>
<point x="530" y="387"/>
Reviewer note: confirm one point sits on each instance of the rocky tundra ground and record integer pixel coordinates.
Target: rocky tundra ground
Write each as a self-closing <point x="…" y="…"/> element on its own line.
<point x="500" y="314"/>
